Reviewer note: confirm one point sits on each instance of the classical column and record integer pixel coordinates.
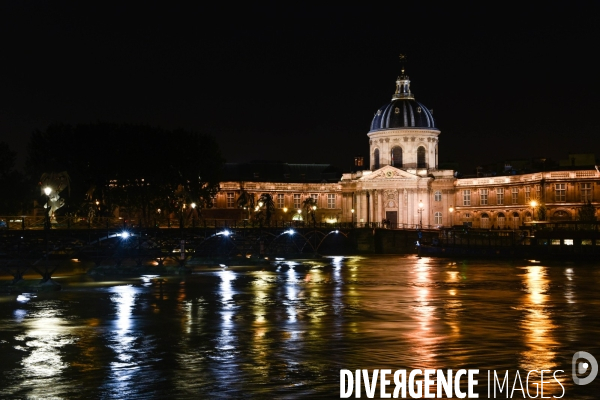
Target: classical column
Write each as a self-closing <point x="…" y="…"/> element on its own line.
<point x="380" y="206"/>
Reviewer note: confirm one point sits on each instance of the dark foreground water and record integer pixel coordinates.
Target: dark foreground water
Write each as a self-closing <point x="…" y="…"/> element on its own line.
<point x="286" y="332"/>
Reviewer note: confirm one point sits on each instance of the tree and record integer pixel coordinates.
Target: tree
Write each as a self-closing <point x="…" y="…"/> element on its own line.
<point x="135" y="167"/>
<point x="265" y="202"/>
<point x="246" y="201"/>
<point x="15" y="191"/>
<point x="542" y="211"/>
<point x="310" y="206"/>
<point x="587" y="212"/>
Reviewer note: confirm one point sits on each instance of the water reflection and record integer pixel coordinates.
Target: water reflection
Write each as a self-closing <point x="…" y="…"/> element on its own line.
<point x="537" y="325"/>
<point x="285" y="331"/>
<point x="123" y="341"/>
<point x="42" y="344"/>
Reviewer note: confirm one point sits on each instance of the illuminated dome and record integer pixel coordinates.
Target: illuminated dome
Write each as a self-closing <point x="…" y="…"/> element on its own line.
<point x="403" y="111"/>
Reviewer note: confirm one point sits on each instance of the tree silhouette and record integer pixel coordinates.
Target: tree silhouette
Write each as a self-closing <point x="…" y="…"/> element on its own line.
<point x="266" y="203"/>
<point x="309" y="204"/>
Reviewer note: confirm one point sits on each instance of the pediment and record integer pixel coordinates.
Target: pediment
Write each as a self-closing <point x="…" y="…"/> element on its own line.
<point x="389" y="172"/>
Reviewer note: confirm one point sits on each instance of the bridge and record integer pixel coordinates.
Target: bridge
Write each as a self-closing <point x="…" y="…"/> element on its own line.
<point x="28" y="244"/>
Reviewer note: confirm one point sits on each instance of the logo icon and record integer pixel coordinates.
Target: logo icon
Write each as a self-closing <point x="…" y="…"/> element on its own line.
<point x="581" y="367"/>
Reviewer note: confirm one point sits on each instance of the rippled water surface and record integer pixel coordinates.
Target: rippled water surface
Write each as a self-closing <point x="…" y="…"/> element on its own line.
<point x="286" y="331"/>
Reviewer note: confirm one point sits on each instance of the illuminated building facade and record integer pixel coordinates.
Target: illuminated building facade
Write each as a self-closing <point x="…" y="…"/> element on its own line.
<point x="403" y="186"/>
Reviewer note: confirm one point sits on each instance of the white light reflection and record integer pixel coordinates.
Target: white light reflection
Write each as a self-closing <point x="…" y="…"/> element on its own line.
<point x="25" y="297"/>
<point x="42" y="344"/>
<point x="123" y="341"/>
<point x="226" y="339"/>
<point x="570" y="286"/>
<point x="292" y="293"/>
<point x="147" y="279"/>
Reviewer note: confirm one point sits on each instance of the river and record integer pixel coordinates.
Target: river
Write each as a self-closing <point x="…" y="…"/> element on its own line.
<point x="286" y="330"/>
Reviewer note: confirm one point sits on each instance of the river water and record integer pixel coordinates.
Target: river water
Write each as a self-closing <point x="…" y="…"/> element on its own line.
<point x="286" y="331"/>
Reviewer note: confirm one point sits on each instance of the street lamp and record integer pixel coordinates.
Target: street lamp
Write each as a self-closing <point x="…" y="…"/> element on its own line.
<point x="420" y="211"/>
<point x="451" y="209"/>
<point x="533" y="205"/>
<point x="193" y="215"/>
<point x="47" y="191"/>
<point x="352" y="211"/>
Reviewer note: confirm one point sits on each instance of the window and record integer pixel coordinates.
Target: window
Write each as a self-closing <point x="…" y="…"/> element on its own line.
<point x="516" y="221"/>
<point x="397" y="157"/>
<point x="515" y="195"/>
<point x="501" y="221"/>
<point x="528" y="216"/>
<point x="376" y="159"/>
<point x="485" y="221"/>
<point x="560" y="192"/>
<point x="437" y="196"/>
<point x="586" y="192"/>
<point x="331" y="201"/>
<point x="467" y="197"/>
<point x="538" y="192"/>
<point x="230" y="200"/>
<point x="421" y="157"/>
<point x="483" y="197"/>
<point x="297" y="201"/>
<point x="437" y="218"/>
<point x="280" y="200"/>
<point x="500" y="196"/>
<point x="527" y="194"/>
<point x="315" y="198"/>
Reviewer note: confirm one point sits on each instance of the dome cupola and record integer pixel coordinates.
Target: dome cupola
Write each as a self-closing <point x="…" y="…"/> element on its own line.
<point x="403" y="133"/>
<point x="403" y="111"/>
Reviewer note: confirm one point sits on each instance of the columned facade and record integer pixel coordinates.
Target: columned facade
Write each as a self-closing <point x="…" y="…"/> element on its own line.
<point x="403" y="187"/>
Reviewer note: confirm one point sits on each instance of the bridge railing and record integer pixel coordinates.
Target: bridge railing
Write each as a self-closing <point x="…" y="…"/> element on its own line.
<point x="72" y="222"/>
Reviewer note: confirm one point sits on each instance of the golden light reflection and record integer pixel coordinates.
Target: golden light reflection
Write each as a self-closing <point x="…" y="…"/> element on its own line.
<point x="536" y="324"/>
<point x="423" y="312"/>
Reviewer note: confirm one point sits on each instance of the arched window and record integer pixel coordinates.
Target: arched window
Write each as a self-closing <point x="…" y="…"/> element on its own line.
<point x="397" y="157"/>
<point x="485" y="221"/>
<point x="421" y="157"/>
<point x="376" y="159"/>
<point x="527" y="216"/>
<point x="501" y="220"/>
<point x="437" y="218"/>
<point x="516" y="220"/>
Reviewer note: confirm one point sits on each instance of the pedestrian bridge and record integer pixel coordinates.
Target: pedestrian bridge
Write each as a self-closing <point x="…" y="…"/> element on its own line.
<point x="185" y="246"/>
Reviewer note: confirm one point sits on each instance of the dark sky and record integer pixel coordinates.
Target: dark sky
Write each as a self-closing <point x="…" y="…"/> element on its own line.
<point x="300" y="84"/>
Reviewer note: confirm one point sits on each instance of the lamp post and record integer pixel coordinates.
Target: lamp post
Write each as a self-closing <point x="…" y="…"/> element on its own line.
<point x="352" y="211"/>
<point x="451" y="210"/>
<point x="47" y="191"/>
<point x="193" y="215"/>
<point x="420" y="211"/>
<point x="533" y="205"/>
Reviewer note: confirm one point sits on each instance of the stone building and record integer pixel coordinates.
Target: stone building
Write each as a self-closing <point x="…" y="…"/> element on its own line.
<point x="403" y="186"/>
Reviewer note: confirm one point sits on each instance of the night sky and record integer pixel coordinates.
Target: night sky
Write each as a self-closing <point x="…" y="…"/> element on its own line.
<point x="300" y="84"/>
